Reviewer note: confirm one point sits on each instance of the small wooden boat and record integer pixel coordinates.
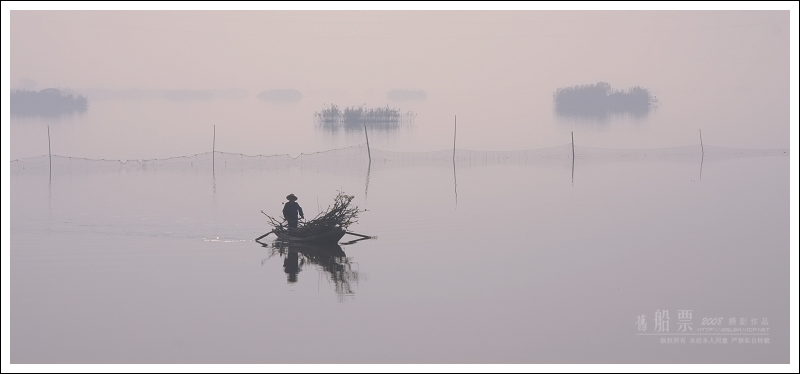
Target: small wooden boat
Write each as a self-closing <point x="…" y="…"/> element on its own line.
<point x="331" y="236"/>
<point x="315" y="250"/>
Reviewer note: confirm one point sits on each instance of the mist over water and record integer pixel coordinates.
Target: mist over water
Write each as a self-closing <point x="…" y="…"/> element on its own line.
<point x="507" y="231"/>
<point x="721" y="71"/>
<point x="159" y="128"/>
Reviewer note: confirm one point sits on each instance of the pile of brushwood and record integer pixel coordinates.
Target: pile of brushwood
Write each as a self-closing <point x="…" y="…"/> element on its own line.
<point x="339" y="216"/>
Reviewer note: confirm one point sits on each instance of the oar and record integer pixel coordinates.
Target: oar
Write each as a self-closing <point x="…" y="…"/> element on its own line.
<point x="264" y="235"/>
<point x="363" y="236"/>
<point x="354" y="241"/>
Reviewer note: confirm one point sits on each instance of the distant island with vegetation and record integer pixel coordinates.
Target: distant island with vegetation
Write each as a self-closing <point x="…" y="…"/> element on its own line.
<point x="361" y="115"/>
<point x="599" y="99"/>
<point x="46" y="102"/>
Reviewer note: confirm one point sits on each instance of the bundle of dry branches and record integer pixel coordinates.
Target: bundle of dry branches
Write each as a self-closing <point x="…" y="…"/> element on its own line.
<point x="340" y="215"/>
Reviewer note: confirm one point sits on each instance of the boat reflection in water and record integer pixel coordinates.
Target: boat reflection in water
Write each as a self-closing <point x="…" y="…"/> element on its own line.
<point x="330" y="258"/>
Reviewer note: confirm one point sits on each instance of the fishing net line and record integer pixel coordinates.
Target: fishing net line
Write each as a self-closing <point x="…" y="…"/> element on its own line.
<point x="356" y="159"/>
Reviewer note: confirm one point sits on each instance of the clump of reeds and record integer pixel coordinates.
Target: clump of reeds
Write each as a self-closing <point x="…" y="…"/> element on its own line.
<point x="358" y="115"/>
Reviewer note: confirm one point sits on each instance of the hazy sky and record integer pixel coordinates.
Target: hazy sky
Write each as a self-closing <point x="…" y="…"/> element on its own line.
<point x="442" y="51"/>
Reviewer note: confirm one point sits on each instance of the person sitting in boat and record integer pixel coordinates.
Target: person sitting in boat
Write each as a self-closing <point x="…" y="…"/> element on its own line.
<point x="291" y="210"/>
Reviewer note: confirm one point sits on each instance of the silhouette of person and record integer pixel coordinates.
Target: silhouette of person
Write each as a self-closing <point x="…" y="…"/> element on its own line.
<point x="291" y="209"/>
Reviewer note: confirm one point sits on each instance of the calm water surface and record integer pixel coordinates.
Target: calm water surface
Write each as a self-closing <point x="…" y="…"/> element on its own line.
<point x="511" y="253"/>
<point x="516" y="257"/>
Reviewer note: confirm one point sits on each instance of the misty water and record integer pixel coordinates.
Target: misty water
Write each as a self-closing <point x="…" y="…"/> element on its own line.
<point x="134" y="243"/>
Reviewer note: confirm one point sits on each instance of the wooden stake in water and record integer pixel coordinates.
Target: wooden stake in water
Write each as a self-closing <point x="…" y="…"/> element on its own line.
<point x="367" y="136"/>
<point x="703" y="152"/>
<point x="572" y="134"/>
<point x="455" y="129"/>
<point x="49" y="153"/>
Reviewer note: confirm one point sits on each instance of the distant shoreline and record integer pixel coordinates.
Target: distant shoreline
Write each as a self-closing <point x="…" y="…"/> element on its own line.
<point x="49" y="101"/>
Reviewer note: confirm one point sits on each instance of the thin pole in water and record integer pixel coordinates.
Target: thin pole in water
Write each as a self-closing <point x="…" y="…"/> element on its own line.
<point x="702" y="150"/>
<point x="572" y="134"/>
<point x="49" y="153"/>
<point x="455" y="129"/>
<point x="367" y="136"/>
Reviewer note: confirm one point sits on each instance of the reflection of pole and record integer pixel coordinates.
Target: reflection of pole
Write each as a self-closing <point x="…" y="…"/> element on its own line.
<point x="366" y="186"/>
<point x="702" y="154"/>
<point x="369" y="165"/>
<point x="213" y="149"/>
<point x="367" y="136"/>
<point x="455" y="185"/>
<point x="213" y="190"/>
<point x="701" y="167"/>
